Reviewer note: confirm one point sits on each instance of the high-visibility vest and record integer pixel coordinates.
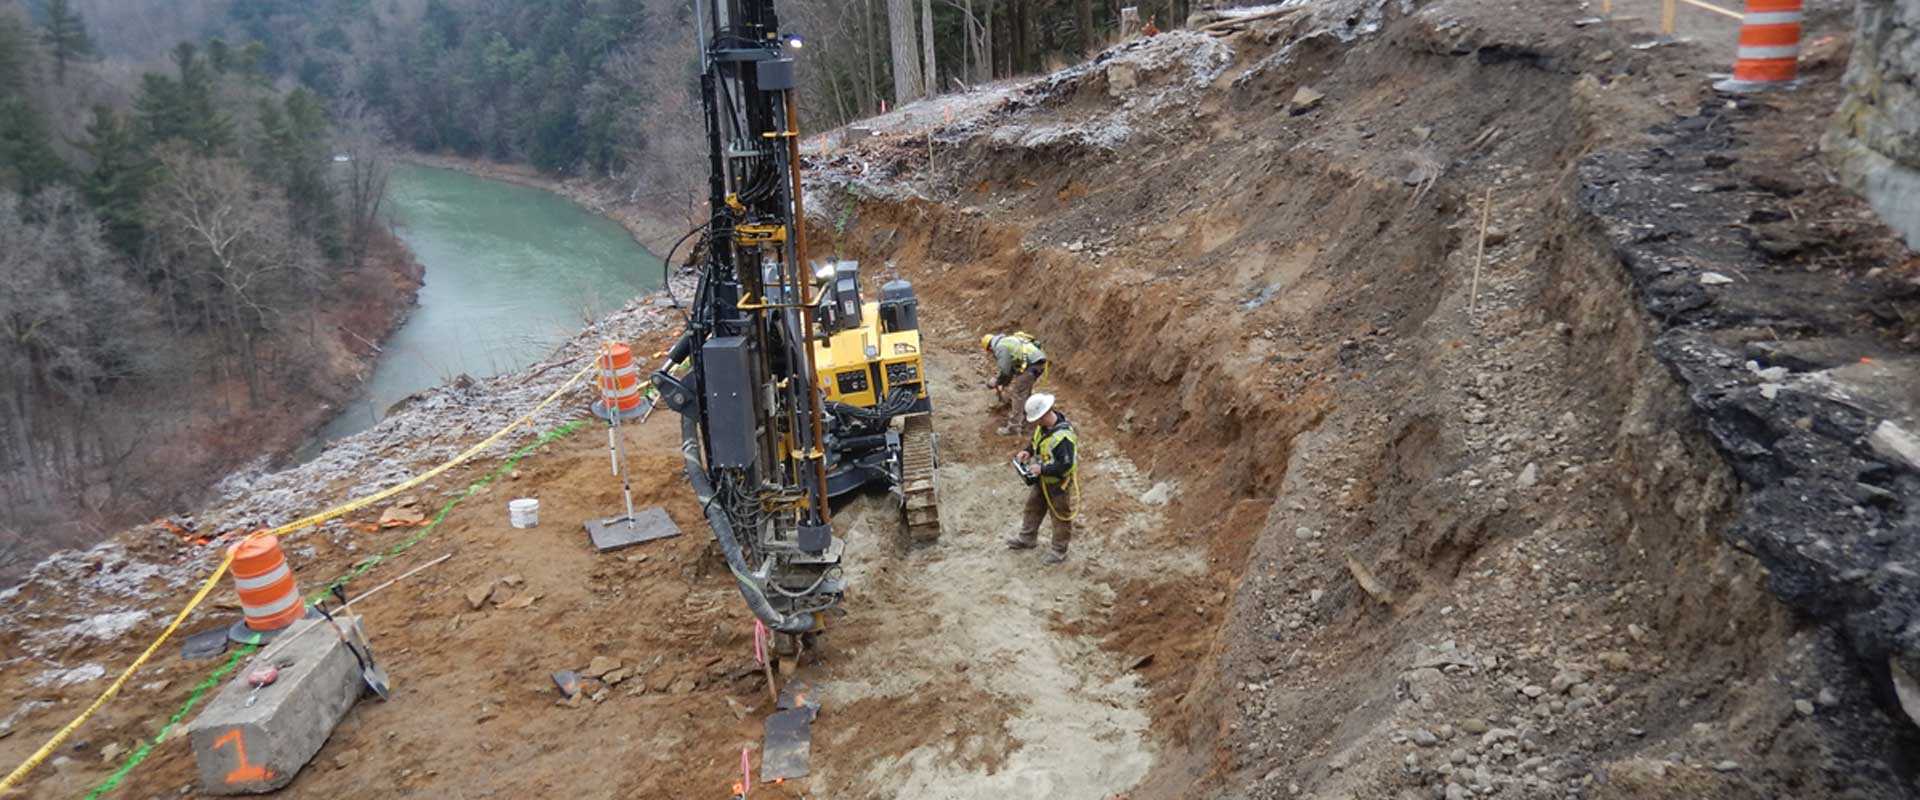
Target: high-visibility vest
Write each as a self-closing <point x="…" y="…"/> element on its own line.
<point x="1043" y="443"/>
<point x="1025" y="352"/>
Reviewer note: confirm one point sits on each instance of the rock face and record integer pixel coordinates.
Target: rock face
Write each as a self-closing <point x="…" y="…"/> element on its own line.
<point x="1875" y="139"/>
<point x="1816" y="429"/>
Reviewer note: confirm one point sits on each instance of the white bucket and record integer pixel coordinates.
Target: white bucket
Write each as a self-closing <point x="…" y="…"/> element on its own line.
<point x="524" y="513"/>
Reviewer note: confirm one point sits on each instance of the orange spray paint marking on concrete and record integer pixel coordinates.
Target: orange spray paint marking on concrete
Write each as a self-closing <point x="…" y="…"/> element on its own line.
<point x="245" y="773"/>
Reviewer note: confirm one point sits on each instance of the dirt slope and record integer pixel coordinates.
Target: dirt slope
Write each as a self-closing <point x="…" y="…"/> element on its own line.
<point x="1485" y="525"/>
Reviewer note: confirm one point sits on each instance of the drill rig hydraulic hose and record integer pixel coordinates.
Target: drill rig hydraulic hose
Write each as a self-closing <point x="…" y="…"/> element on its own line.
<point x="703" y="491"/>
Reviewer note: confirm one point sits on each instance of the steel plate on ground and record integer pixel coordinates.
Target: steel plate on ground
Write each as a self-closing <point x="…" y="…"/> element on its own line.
<point x="789" y="745"/>
<point x="614" y="533"/>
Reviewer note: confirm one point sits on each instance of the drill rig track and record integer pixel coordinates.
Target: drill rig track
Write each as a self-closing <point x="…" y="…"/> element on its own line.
<point x="919" y="494"/>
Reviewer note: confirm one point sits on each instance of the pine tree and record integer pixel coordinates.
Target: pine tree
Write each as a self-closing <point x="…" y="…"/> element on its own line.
<point x="16" y="55"/>
<point x="185" y="108"/>
<point x="294" y="143"/>
<point x="219" y="55"/>
<point x="27" y="159"/>
<point x="66" y="37"/>
<point x="122" y="174"/>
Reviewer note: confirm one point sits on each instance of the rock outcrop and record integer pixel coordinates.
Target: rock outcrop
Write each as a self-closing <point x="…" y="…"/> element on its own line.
<point x="1875" y="139"/>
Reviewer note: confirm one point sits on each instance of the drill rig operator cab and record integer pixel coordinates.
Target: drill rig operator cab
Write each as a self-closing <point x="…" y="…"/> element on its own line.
<point x="868" y="359"/>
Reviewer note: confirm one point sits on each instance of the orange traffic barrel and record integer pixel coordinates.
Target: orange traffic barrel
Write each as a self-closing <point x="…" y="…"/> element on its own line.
<point x="619" y="382"/>
<point x="268" y="596"/>
<point x="1769" y="54"/>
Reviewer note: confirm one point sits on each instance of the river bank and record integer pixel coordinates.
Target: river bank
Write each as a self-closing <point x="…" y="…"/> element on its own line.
<point x="651" y="221"/>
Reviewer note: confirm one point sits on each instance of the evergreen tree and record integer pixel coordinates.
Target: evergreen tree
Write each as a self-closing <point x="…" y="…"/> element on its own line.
<point x="219" y="55"/>
<point x="16" y="55"/>
<point x="122" y="174"/>
<point x="184" y="108"/>
<point x="293" y="155"/>
<point x="66" y="37"/>
<point x="27" y="159"/>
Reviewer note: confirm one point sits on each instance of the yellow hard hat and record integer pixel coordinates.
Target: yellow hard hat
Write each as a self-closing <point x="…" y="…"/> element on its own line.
<point x="986" y="342"/>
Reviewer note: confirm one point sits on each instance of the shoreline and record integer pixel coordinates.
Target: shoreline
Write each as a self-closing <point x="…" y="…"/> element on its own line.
<point x="654" y="229"/>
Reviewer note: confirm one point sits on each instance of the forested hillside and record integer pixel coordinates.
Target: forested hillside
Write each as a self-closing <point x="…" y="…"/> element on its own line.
<point x="606" y="88"/>
<point x="179" y="257"/>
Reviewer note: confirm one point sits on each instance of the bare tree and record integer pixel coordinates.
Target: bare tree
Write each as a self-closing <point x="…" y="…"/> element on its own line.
<point x="364" y="180"/>
<point x="71" y="329"/>
<point x="229" y="232"/>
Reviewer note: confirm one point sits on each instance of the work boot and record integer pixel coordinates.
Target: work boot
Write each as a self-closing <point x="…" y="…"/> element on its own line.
<point x="1022" y="542"/>
<point x="1054" y="557"/>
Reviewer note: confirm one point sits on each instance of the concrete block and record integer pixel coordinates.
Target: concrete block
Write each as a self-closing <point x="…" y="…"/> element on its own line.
<point x="242" y="749"/>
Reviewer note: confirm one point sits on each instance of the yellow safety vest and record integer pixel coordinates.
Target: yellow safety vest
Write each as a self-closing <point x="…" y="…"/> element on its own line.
<point x="1025" y="352"/>
<point x="1043" y="443"/>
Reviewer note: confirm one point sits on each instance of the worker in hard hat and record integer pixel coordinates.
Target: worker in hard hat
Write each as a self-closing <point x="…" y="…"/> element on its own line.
<point x="1050" y="464"/>
<point x="1021" y="364"/>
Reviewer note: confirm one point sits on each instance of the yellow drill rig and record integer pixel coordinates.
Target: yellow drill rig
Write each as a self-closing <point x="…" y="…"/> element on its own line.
<point x="786" y="399"/>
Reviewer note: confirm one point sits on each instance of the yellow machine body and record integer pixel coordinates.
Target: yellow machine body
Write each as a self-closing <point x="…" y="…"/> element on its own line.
<point x="860" y="366"/>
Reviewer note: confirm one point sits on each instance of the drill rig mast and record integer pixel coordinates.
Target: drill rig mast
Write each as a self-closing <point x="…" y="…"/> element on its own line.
<point x="752" y="423"/>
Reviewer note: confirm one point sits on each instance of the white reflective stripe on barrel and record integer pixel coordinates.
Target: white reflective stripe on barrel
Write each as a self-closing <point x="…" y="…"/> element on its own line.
<point x="629" y="369"/>
<point x="1763" y="53"/>
<point x="627" y="392"/>
<point x="263" y="581"/>
<point x="272" y="608"/>
<point x="1773" y="18"/>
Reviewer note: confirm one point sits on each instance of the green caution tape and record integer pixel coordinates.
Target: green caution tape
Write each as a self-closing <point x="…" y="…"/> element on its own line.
<point x="139" y="755"/>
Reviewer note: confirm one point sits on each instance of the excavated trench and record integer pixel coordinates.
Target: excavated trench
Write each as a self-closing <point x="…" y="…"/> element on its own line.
<point x="1463" y="525"/>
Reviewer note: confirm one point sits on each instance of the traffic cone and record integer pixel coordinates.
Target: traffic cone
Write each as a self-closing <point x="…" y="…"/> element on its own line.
<point x="1769" y="46"/>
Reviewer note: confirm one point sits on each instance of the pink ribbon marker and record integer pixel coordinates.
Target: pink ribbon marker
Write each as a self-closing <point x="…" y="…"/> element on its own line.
<point x="759" y="642"/>
<point x="746" y="772"/>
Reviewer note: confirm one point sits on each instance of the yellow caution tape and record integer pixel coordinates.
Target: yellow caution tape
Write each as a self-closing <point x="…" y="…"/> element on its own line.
<point x="13" y="778"/>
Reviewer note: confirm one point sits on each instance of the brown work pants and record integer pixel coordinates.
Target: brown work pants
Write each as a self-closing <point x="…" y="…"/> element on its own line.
<point x="1018" y="390"/>
<point x="1038" y="496"/>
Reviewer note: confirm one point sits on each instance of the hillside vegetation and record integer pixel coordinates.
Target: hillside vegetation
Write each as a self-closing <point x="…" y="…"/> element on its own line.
<point x="178" y="254"/>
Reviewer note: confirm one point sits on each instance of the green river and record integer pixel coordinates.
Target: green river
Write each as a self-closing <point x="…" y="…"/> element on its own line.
<point x="511" y="272"/>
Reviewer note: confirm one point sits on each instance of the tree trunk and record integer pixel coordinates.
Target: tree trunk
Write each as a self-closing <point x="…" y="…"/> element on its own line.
<point x="1017" y="26"/>
<point x="1084" y="18"/>
<point x="906" y="57"/>
<point x="991" y="58"/>
<point x="931" y="78"/>
<point x="967" y="50"/>
<point x="872" y="102"/>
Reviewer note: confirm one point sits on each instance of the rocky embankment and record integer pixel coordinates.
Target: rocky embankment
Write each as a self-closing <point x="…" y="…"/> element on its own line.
<point x="1875" y="139"/>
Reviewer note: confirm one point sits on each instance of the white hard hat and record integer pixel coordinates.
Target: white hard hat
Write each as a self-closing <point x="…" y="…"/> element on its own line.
<point x="1038" y="406"/>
